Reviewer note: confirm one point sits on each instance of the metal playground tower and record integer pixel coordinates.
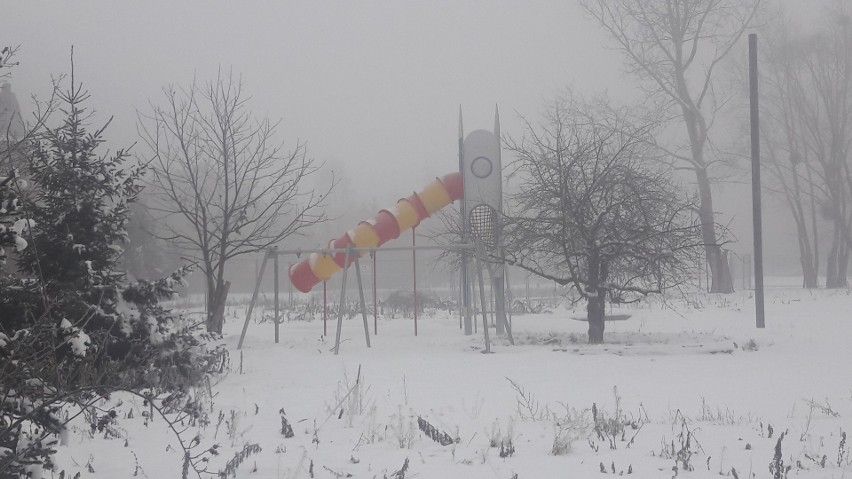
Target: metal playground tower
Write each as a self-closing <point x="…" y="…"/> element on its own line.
<point x="480" y="162"/>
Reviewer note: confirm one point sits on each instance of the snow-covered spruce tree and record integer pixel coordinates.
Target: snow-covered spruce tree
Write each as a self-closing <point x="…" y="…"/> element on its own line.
<point x="72" y="331"/>
<point x="81" y="213"/>
<point x="74" y="257"/>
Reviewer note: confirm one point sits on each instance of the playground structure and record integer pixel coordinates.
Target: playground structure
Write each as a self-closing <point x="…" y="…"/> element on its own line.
<point x="478" y="186"/>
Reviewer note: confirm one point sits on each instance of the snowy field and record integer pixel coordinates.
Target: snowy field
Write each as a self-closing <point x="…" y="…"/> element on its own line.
<point x="686" y="389"/>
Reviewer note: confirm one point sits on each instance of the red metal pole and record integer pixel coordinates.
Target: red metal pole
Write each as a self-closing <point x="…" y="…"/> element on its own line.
<point x="375" y="303"/>
<point x="324" y="309"/>
<point x="414" y="267"/>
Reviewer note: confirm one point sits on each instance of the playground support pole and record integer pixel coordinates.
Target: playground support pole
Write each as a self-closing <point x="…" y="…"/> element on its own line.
<point x="363" y="304"/>
<point x="461" y="307"/>
<point x="324" y="308"/>
<point x="466" y="307"/>
<point x="755" y="181"/>
<point x="253" y="300"/>
<point x="502" y="324"/>
<point x="473" y="309"/>
<point x="275" y="284"/>
<point x="414" y="270"/>
<point x="509" y="295"/>
<point x="340" y="305"/>
<point x="290" y="289"/>
<point x="482" y="301"/>
<point x="375" y="303"/>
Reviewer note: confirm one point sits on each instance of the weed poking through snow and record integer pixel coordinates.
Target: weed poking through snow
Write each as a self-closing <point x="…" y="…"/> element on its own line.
<point x="777" y="467"/>
<point x="434" y="433"/>
<point x="286" y="428"/>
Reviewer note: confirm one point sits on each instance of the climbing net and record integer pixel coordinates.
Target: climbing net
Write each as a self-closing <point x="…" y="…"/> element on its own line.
<point x="483" y="225"/>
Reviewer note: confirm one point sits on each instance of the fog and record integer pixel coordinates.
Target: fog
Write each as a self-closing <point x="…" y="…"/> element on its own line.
<point x="374" y="88"/>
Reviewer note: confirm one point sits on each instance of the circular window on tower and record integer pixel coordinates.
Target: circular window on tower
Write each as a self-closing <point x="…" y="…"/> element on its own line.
<point x="481" y="167"/>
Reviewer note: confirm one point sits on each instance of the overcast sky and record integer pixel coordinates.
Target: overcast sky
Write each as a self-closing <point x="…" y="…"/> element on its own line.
<point x="373" y="87"/>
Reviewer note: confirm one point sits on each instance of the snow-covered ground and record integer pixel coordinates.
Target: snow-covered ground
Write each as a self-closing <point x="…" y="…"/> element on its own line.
<point x="684" y="385"/>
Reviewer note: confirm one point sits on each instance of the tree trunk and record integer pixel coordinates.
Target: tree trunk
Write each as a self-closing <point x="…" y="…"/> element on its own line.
<point x="595" y="310"/>
<point x="217" y="295"/>
<point x="596" y="297"/>
<point x="809" y="275"/>
<point x="720" y="273"/>
<point x="806" y="256"/>
<point x="810" y="278"/>
<point x="696" y="129"/>
<point x="838" y="257"/>
<point x="843" y="264"/>
<point x="211" y="300"/>
<point x="218" y="318"/>
<point x="814" y="224"/>
<point x="831" y="264"/>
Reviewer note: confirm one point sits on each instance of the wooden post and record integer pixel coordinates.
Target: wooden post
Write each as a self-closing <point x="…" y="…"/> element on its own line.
<point x="253" y="300"/>
<point x="755" y="181"/>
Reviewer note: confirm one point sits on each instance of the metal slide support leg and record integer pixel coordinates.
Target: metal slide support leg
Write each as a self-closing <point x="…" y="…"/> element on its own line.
<point x="500" y="304"/>
<point x="414" y="273"/>
<point x="253" y="300"/>
<point x="510" y="296"/>
<point x="465" y="295"/>
<point x="482" y="302"/>
<point x="500" y="307"/>
<point x="340" y="305"/>
<point x="275" y="268"/>
<point x="375" y="301"/>
<point x="325" y="308"/>
<point x="363" y="303"/>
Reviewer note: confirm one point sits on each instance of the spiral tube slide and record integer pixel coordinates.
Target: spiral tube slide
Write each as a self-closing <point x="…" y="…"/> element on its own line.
<point x="387" y="225"/>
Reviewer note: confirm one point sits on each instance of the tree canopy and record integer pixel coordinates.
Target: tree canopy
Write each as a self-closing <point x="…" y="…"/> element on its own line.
<point x="594" y="211"/>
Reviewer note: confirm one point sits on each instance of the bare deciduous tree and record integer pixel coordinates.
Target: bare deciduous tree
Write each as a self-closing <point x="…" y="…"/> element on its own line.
<point x="594" y="211"/>
<point x="809" y="134"/>
<point x="224" y="186"/>
<point x="825" y="109"/>
<point x="676" y="46"/>
<point x="790" y="167"/>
